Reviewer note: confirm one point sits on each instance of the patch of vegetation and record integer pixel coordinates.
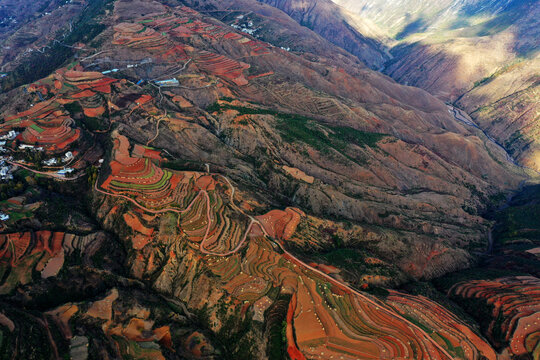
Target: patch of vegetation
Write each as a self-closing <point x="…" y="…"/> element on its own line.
<point x="36" y="343"/>
<point x="496" y="74"/>
<point x="379" y="292"/>
<point x="276" y="324"/>
<point x="520" y="220"/>
<point x="298" y="128"/>
<point x="17" y="186"/>
<point x="360" y="138"/>
<point x="90" y="123"/>
<point x="235" y="338"/>
<point x="355" y="264"/>
<point x="505" y="19"/>
<point x="183" y="165"/>
<point x="413" y="27"/>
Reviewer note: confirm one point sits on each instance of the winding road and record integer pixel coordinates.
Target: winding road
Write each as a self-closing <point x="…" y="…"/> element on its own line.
<point x="53" y="175"/>
<point x="180" y="212"/>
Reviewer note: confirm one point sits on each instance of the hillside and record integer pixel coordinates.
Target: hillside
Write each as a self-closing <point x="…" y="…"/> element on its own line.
<point x="354" y="34"/>
<point x="182" y="183"/>
<point x="457" y="51"/>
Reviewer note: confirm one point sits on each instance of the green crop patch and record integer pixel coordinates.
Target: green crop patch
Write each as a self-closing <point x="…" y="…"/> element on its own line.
<point x="298" y="128"/>
<point x="37" y="128"/>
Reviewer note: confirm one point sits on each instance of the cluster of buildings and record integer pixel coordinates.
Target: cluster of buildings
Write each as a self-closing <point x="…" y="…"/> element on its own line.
<point x="65" y="171"/>
<point x="31" y="147"/>
<point x="246" y="28"/>
<point x="55" y="161"/>
<point x="5" y="170"/>
<point x="129" y="66"/>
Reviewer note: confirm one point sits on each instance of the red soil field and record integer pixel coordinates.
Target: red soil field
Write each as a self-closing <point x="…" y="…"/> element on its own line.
<point x="292" y="350"/>
<point x="133" y="222"/>
<point x="47" y="124"/>
<point x="516" y="309"/>
<point x="16" y="245"/>
<point x="206" y="183"/>
<point x="94" y="112"/>
<point x="222" y="66"/>
<point x="145" y="152"/>
<point x="281" y="224"/>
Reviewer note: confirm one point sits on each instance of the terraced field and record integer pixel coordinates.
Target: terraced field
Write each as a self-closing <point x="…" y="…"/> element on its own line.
<point x="220" y="65"/>
<point x="281" y="224"/>
<point x="515" y="304"/>
<point x="205" y="215"/>
<point x="47" y="124"/>
<point x="324" y="317"/>
<point x="174" y="36"/>
<point x="445" y="328"/>
<point x="140" y="37"/>
<point x="184" y="23"/>
<point x="130" y="331"/>
<point x="43" y="251"/>
<point x="139" y="178"/>
<point x="330" y="319"/>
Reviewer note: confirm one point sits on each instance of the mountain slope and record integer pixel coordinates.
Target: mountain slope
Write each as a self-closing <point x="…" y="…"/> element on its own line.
<point x="407" y="17"/>
<point x="259" y="197"/>
<point x="457" y="50"/>
<point x="356" y="35"/>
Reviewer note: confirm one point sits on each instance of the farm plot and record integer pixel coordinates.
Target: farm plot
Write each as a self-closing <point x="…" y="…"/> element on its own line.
<point x="165" y="36"/>
<point x="205" y="214"/>
<point x="332" y="322"/>
<point x="195" y="222"/>
<point x="129" y="330"/>
<point x="43" y="251"/>
<point x="443" y="326"/>
<point x="222" y="66"/>
<point x="281" y="224"/>
<point x="192" y="23"/>
<point x="45" y="125"/>
<point x="140" y="37"/>
<point x="329" y="318"/>
<point x="227" y="228"/>
<point x="515" y="305"/>
<point x="139" y="178"/>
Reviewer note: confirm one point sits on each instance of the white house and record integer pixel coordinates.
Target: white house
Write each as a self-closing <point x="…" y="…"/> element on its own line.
<point x="4" y="170"/>
<point x="169" y="82"/>
<point x="65" y="171"/>
<point x="68" y="156"/>
<point x="50" y="162"/>
<point x="9" y="136"/>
